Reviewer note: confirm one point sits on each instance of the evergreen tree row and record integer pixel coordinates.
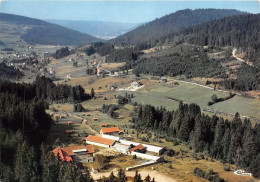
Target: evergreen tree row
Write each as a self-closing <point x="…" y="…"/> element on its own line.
<point x="234" y="142"/>
<point x="44" y="88"/>
<point x="24" y="125"/>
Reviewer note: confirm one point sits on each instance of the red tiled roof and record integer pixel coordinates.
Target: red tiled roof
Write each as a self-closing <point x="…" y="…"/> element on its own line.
<point x="110" y="130"/>
<point x="101" y="140"/>
<point x="138" y="147"/>
<point x="90" y="149"/>
<point x="62" y="154"/>
<point x="66" y="152"/>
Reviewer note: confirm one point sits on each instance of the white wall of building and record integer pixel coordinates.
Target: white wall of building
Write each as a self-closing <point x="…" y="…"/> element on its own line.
<point x="110" y="137"/>
<point x="150" y="148"/>
<point x="98" y="144"/>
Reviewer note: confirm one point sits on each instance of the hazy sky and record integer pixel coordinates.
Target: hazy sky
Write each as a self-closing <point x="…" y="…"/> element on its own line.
<point x="114" y="11"/>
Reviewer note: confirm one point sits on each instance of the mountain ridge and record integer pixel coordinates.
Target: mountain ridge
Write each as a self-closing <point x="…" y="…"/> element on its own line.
<point x="171" y="23"/>
<point x="36" y="31"/>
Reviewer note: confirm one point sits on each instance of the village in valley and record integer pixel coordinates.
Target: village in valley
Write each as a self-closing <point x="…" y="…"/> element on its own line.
<point x="104" y="140"/>
<point x="165" y="109"/>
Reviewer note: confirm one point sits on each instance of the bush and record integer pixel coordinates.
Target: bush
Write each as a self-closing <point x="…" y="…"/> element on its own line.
<point x="227" y="168"/>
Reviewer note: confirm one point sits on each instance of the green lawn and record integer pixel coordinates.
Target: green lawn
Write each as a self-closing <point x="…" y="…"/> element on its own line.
<point x="248" y="107"/>
<point x="104" y="119"/>
<point x="196" y="94"/>
<point x="187" y="92"/>
<point x="141" y="99"/>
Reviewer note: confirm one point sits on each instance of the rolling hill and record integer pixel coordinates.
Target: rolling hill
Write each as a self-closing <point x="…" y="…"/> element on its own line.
<point x="35" y="31"/>
<point x="104" y="30"/>
<point x="171" y="23"/>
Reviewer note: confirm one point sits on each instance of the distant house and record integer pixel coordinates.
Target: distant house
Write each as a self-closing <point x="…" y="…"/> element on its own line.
<point x="75" y="154"/>
<point x="99" y="141"/>
<point x="135" y="84"/>
<point x="96" y="61"/>
<point x="164" y="79"/>
<point x="69" y="76"/>
<point x="95" y="118"/>
<point x="110" y="131"/>
<point x="99" y="70"/>
<point x="69" y="122"/>
<point x="139" y="148"/>
<point x="174" y="83"/>
<point x="105" y="125"/>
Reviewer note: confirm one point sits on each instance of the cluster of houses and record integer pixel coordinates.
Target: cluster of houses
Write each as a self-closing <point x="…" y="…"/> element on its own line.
<point x="76" y="154"/>
<point x="112" y="138"/>
<point x="109" y="138"/>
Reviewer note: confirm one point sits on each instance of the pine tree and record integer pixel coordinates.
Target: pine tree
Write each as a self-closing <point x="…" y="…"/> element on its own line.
<point x="147" y="179"/>
<point x="112" y="177"/>
<point x="121" y="175"/>
<point x="92" y="93"/>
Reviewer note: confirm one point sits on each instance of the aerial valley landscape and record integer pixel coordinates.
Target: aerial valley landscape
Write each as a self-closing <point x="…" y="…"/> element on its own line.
<point x="138" y="91"/>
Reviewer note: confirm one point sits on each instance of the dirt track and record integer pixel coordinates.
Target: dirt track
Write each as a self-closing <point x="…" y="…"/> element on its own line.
<point x="153" y="174"/>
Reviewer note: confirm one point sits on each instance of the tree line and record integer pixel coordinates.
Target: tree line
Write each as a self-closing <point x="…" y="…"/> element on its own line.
<point x="152" y="32"/>
<point x="44" y="88"/>
<point x="24" y="126"/>
<point x="233" y="142"/>
<point x="9" y="72"/>
<point x="191" y="63"/>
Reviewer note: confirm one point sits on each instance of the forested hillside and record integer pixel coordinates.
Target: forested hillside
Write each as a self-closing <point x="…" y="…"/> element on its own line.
<point x="36" y="31"/>
<point x="152" y="31"/>
<point x="24" y="157"/>
<point x="190" y="62"/>
<point x="240" y="31"/>
<point x="9" y="72"/>
<point x="234" y="142"/>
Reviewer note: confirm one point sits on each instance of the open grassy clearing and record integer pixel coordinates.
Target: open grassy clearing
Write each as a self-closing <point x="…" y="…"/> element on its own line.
<point x="104" y="119"/>
<point x="196" y="94"/>
<point x="141" y="99"/>
<point x="112" y="66"/>
<point x="185" y="92"/>
<point x="247" y="107"/>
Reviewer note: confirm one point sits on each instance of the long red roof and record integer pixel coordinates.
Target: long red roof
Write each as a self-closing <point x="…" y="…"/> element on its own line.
<point x="101" y="140"/>
<point x="110" y="130"/>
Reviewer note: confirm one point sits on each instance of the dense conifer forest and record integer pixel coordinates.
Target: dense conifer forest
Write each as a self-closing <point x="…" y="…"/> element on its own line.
<point x="44" y="88"/>
<point x="191" y="63"/>
<point x="174" y="22"/>
<point x="9" y="72"/>
<point x="23" y="155"/>
<point x="235" y="142"/>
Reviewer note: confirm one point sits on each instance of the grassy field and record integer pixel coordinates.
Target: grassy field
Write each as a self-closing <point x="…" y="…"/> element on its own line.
<point x="185" y="92"/>
<point x="248" y="107"/>
<point x="112" y="66"/>
<point x="196" y="94"/>
<point x="181" y="166"/>
<point x="141" y="99"/>
<point x="104" y="119"/>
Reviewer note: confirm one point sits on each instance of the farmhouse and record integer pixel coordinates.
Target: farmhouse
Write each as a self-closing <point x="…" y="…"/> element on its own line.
<point x="99" y="141"/>
<point x="75" y="154"/>
<point x="139" y="148"/>
<point x="135" y="84"/>
<point x="150" y="148"/>
<point x="110" y="131"/>
<point x="99" y="70"/>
